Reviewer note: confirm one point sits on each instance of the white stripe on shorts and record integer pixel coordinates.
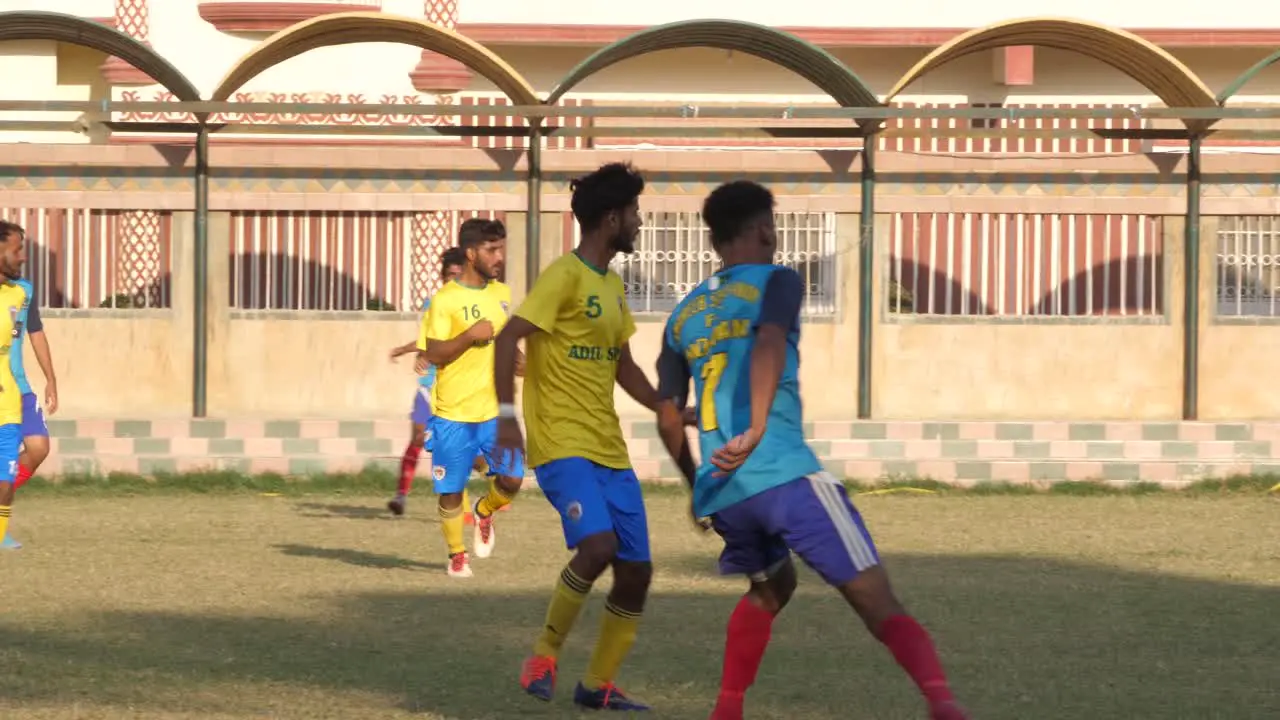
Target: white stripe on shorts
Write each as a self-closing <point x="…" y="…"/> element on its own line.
<point x="825" y="488"/>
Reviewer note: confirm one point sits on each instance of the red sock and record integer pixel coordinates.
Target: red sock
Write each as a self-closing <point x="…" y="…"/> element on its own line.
<point x="408" y="466"/>
<point x="745" y="641"/>
<point x="24" y="474"/>
<point x="913" y="649"/>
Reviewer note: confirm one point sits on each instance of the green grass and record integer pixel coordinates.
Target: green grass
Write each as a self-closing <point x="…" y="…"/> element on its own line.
<point x="238" y="605"/>
<point x="374" y="479"/>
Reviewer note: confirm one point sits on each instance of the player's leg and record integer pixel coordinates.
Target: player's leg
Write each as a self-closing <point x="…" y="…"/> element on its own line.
<point x="506" y="475"/>
<point x="632" y="573"/>
<point x="10" y="443"/>
<point x="570" y="486"/>
<point x="750" y="549"/>
<point x="823" y="527"/>
<point x="35" y="449"/>
<point x="453" y="450"/>
<point x="419" y="424"/>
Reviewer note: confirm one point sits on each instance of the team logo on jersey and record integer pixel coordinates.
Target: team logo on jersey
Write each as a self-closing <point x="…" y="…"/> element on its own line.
<point x="574" y="511"/>
<point x="506" y="308"/>
<point x="438" y="472"/>
<point x="14" y="312"/>
<point x="713" y="283"/>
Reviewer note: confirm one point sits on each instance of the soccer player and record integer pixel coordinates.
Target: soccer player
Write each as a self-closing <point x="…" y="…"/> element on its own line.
<point x="451" y="262"/>
<point x="15" y="298"/>
<point x="576" y="326"/>
<point x="457" y="337"/>
<point x="736" y="337"/>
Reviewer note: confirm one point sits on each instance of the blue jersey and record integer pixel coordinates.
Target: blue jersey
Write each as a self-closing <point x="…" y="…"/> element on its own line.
<point x="709" y="339"/>
<point x="427" y="380"/>
<point x="27" y="320"/>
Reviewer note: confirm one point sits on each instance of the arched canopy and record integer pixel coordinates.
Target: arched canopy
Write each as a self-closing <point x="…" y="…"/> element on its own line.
<point x="1247" y="77"/>
<point x="1157" y="70"/>
<point x="781" y="48"/>
<point x="60" y="27"/>
<point x="360" y="27"/>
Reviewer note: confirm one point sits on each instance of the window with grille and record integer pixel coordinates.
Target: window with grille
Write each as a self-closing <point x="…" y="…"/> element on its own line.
<point x="673" y="254"/>
<point x="1248" y="266"/>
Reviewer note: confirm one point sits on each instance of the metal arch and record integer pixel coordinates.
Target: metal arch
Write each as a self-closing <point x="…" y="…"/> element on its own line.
<point x="1247" y="77"/>
<point x="780" y="48"/>
<point x="60" y="27"/>
<point x="359" y="27"/>
<point x="1158" y="71"/>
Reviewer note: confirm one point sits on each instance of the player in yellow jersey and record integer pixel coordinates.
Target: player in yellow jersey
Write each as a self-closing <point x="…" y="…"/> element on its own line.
<point x="457" y="337"/>
<point x="576" y="327"/>
<point x="14" y="298"/>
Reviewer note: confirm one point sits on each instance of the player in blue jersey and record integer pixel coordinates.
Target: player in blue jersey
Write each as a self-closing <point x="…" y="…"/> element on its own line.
<point x="27" y="324"/>
<point x="451" y="262"/>
<point x="736" y="336"/>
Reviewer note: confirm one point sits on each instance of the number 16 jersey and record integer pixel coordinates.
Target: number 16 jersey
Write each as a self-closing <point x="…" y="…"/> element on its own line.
<point x="464" y="389"/>
<point x="714" y="330"/>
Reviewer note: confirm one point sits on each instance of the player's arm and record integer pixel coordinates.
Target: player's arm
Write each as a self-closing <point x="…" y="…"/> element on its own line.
<point x="634" y="381"/>
<point x="404" y="349"/>
<point x="673" y="398"/>
<point x="44" y="357"/>
<point x="779" y="315"/>
<point x="434" y="344"/>
<point x="538" y="313"/>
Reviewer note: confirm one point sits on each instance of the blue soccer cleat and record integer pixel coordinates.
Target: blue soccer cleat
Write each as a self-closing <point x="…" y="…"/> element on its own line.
<point x="10" y="544"/>
<point x="538" y="677"/>
<point x="606" y="698"/>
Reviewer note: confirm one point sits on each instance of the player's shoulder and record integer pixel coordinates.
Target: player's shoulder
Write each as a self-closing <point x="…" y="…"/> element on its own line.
<point x="26" y="285"/>
<point x="499" y="289"/>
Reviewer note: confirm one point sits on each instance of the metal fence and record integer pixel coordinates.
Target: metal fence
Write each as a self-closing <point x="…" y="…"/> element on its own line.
<point x="1248" y="266"/>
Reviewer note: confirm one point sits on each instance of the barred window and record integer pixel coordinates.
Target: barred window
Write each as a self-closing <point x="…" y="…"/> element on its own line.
<point x="674" y="254"/>
<point x="1248" y="266"/>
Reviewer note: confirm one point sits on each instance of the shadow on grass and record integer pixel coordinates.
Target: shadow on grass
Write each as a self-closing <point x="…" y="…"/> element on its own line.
<point x="346" y="512"/>
<point x="359" y="558"/>
<point x="1021" y="637"/>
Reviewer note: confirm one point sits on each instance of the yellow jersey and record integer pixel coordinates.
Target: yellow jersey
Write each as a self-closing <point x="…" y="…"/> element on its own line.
<point x="14" y="299"/>
<point x="572" y="365"/>
<point x="464" y="389"/>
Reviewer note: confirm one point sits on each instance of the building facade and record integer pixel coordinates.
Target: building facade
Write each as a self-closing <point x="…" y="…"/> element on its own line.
<point x="1027" y="278"/>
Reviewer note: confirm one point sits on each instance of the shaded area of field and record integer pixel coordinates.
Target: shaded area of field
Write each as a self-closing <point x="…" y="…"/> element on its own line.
<point x="250" y="607"/>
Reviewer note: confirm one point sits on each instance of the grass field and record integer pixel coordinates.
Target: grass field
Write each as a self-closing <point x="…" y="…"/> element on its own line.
<point x="244" y="605"/>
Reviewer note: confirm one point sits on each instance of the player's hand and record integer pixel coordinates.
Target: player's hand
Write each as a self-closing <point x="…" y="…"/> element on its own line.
<point x="420" y="364"/>
<point x="735" y="452"/>
<point x="51" y="398"/>
<point x="510" y="438"/>
<point x="481" y="332"/>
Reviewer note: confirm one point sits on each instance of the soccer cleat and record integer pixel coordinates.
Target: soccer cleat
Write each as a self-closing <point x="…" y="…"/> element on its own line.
<point x="458" y="566"/>
<point x="483" y="532"/>
<point x="947" y="711"/>
<point x="608" y="697"/>
<point x="396" y="505"/>
<point x="538" y="676"/>
<point x="10" y="544"/>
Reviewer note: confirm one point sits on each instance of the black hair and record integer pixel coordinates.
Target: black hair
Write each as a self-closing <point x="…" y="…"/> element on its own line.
<point x="454" y="256"/>
<point x="477" y="231"/>
<point x="731" y="207"/>
<point x="8" y="228"/>
<point x="612" y="187"/>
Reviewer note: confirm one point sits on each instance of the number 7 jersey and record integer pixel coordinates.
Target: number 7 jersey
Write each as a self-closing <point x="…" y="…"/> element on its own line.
<point x="714" y="330"/>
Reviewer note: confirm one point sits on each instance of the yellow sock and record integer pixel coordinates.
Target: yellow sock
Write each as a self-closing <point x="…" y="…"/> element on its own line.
<point x="451" y="526"/>
<point x="617" y="635"/>
<point x="571" y="591"/>
<point x="5" y="512"/>
<point x="494" y="500"/>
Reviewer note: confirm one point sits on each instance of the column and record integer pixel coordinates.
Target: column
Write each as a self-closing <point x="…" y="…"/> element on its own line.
<point x="437" y="74"/>
<point x="133" y="18"/>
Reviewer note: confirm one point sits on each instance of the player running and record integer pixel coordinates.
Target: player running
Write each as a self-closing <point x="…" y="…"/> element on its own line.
<point x="15" y="299"/>
<point x="451" y="262"/>
<point x="457" y="337"/>
<point x="736" y="336"/>
<point x="577" y="326"/>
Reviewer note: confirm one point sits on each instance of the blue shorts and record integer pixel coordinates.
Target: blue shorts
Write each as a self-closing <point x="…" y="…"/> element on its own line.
<point x="810" y="516"/>
<point x="456" y="445"/>
<point x="593" y="499"/>
<point x="421" y="415"/>
<point x="10" y="446"/>
<point x="33" y="424"/>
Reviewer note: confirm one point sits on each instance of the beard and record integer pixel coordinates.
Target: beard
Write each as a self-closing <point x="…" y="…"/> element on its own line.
<point x="625" y="242"/>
